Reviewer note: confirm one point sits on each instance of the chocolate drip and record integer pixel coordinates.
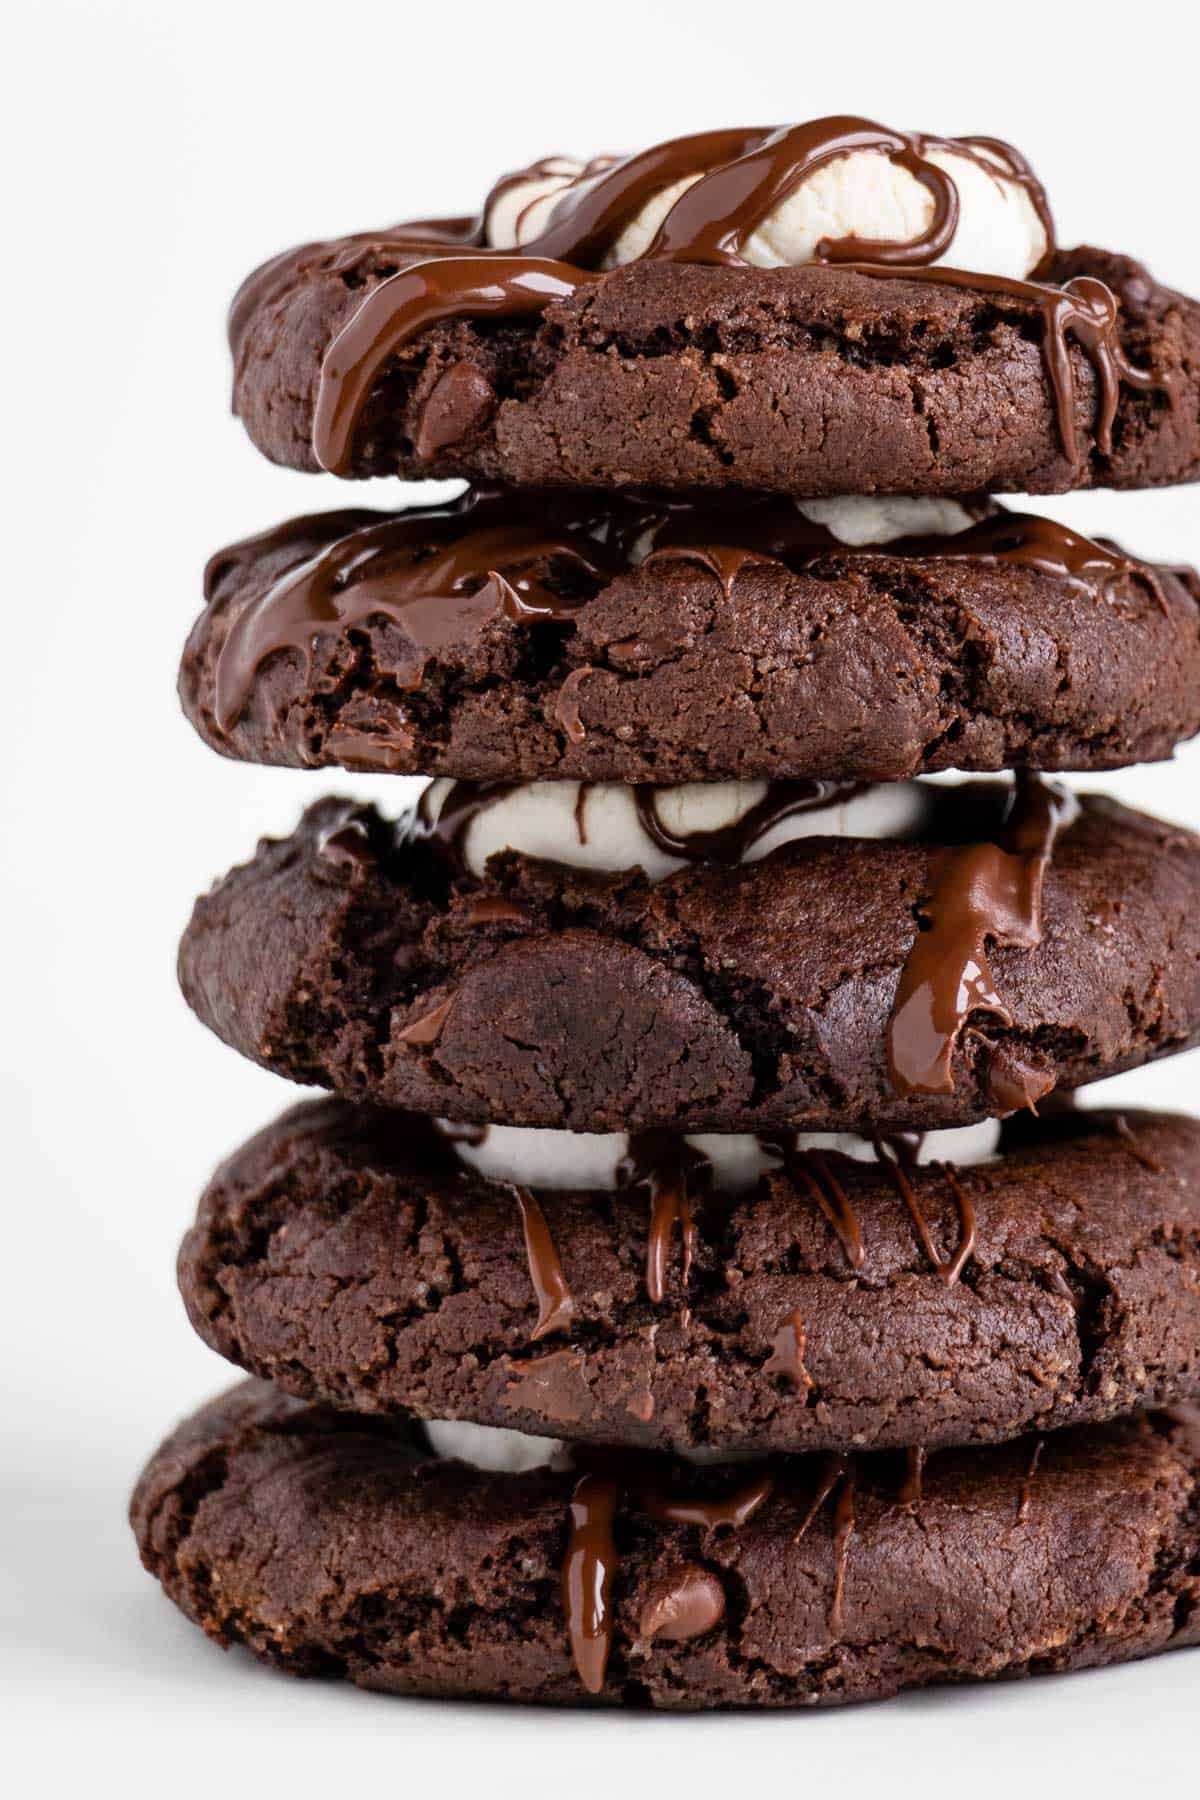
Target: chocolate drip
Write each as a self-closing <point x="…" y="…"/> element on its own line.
<point x="672" y="1169"/>
<point x="981" y="894"/>
<point x="1083" y="310"/>
<point x="738" y="178"/>
<point x="787" y="1354"/>
<point x="712" y="221"/>
<point x="689" y="1602"/>
<point x="951" y="1267"/>
<point x="436" y="572"/>
<point x="555" y="1302"/>
<point x="844" y="1521"/>
<point x="1026" y="1494"/>
<point x="814" y="1169"/>
<point x="442" y="573"/>
<point x="459" y="287"/>
<point x="742" y="177"/>
<point x="836" y="1478"/>
<point x="462" y="805"/>
<point x="684" y="1604"/>
<point x="733" y="843"/>
<point x="734" y="1511"/>
<point x="587" y="1577"/>
<point x="915" y="1458"/>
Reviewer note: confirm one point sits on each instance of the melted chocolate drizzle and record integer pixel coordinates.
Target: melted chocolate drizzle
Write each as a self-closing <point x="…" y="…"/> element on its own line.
<point x="787" y="1354"/>
<point x="836" y="1480"/>
<point x="556" y="1306"/>
<point x="733" y="843"/>
<point x="443" y="268"/>
<point x="915" y="1458"/>
<point x="441" y="574"/>
<point x="590" y="1564"/>
<point x="982" y="894"/>
<point x="587" y="1576"/>
<point x="951" y="1267"/>
<point x="672" y="1169"/>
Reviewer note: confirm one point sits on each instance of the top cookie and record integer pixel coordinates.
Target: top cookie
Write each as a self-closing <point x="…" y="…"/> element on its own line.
<point x="823" y="309"/>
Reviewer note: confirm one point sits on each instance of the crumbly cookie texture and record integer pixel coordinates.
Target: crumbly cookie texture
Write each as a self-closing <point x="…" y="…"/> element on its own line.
<point x="721" y="999"/>
<point x="333" y="1545"/>
<point x="337" y="1255"/>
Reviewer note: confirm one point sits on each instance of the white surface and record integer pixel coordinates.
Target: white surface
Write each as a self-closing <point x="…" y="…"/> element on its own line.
<point x="157" y="151"/>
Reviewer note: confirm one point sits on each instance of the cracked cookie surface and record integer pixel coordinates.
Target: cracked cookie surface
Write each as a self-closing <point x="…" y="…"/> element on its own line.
<point x="334" y="1545"/>
<point x="722" y="998"/>
<point x="348" y="1255"/>
<point x="810" y="381"/>
<point x="871" y="666"/>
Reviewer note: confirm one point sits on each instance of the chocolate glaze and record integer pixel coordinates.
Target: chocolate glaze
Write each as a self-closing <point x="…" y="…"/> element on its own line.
<point x="982" y="893"/>
<point x="1083" y="310"/>
<point x="733" y="843"/>
<point x="787" y="1354"/>
<point x="443" y="269"/>
<point x="672" y="1169"/>
<point x="817" y="1170"/>
<point x="915" y="1458"/>
<point x="951" y="1267"/>
<point x="734" y="1510"/>
<point x="555" y="1303"/>
<point x="442" y="573"/>
<point x="587" y="1575"/>
<point x="836" y="1479"/>
<point x="743" y="175"/>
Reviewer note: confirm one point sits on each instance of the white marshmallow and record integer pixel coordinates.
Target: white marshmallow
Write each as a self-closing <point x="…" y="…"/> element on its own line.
<point x="862" y="519"/>
<point x="581" y="1159"/>
<point x="540" y="819"/>
<point x="492" y="1447"/>
<point x="861" y="194"/>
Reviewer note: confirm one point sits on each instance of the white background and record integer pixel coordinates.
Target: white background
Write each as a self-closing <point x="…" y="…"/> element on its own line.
<point x="157" y="152"/>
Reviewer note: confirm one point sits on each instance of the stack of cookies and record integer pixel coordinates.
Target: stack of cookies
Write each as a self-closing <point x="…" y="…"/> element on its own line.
<point x="699" y="1288"/>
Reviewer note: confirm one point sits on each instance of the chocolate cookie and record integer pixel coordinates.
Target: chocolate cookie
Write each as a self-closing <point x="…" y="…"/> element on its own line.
<point x="350" y="1254"/>
<point x="515" y="636"/>
<point x="333" y="1545"/>
<point x="810" y="380"/>
<point x="833" y="985"/>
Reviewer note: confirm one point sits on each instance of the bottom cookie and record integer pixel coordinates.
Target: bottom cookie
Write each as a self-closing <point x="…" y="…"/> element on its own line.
<point x="335" y="1545"/>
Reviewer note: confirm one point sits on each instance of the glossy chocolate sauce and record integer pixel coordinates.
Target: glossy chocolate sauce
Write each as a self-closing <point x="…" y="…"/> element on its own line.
<point x="981" y="894"/>
<point x="950" y="1267"/>
<point x="738" y="178"/>
<point x="787" y="1354"/>
<point x="555" y="1303"/>
<point x="587" y="1576"/>
<point x="443" y="269"/>
<point x="673" y="1170"/>
<point x="441" y="574"/>
<point x="912" y="1487"/>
